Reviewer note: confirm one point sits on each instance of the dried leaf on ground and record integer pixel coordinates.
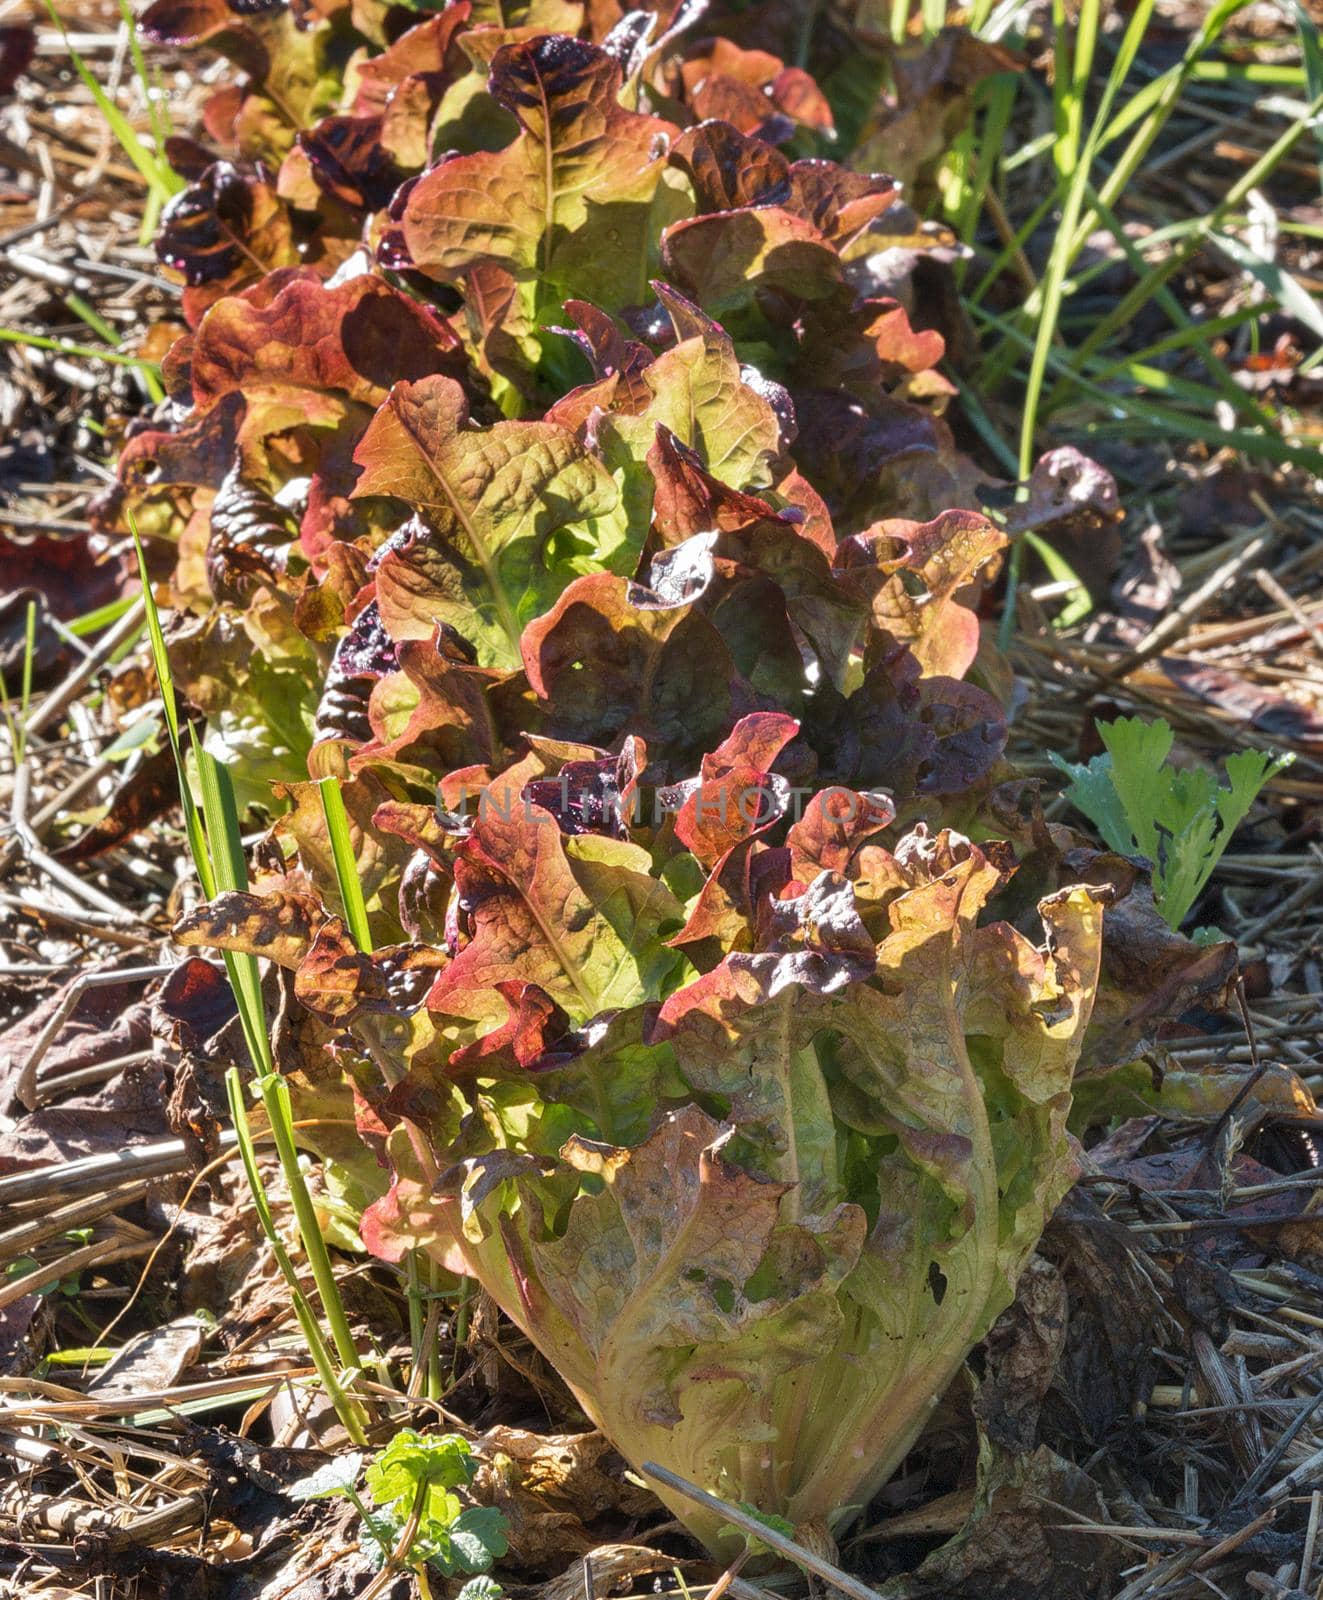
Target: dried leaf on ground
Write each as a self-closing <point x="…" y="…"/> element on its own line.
<point x="1022" y="1350"/>
<point x="1017" y="1544"/>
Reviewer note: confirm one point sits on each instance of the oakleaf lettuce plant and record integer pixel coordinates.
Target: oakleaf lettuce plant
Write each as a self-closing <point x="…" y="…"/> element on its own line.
<point x="551" y="420"/>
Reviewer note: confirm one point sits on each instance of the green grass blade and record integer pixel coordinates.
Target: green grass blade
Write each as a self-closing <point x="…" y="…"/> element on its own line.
<point x="1263" y="72"/>
<point x="1312" y="52"/>
<point x="1286" y="290"/>
<point x="29" y="651"/>
<point x="933" y="16"/>
<point x="1023" y="154"/>
<point x="345" y="1408"/>
<point x="11" y="727"/>
<point x="1151" y="107"/>
<point x="17" y="727"/>
<point x="216" y="848"/>
<point x="148" y="370"/>
<point x="222" y="822"/>
<point x="92" y="318"/>
<point x="230" y="871"/>
<point x="1000" y="261"/>
<point x="981" y="422"/>
<point x="1073" y="164"/>
<point x="275" y="1098"/>
<point x="1166" y="421"/>
<point x="197" y="841"/>
<point x="979" y="147"/>
<point x="67" y="347"/>
<point x="102" y="617"/>
<point x="158" y="109"/>
<point x="1077" y="172"/>
<point x="1199" y="335"/>
<point x="1138" y="296"/>
<point x="1079" y="602"/>
<point x="346" y="868"/>
<point x="154" y="170"/>
<point x="219" y="857"/>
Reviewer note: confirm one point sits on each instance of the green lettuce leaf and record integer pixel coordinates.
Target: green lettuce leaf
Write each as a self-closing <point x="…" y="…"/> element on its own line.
<point x="516" y="512"/>
<point x="573" y="205"/>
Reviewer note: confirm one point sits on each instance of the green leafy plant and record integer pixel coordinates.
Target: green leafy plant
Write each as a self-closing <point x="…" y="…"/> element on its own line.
<point x="753" y="1546"/>
<point x="1179" y="818"/>
<point x="480" y="1587"/>
<point x="413" y="1515"/>
<point x="415" y="1477"/>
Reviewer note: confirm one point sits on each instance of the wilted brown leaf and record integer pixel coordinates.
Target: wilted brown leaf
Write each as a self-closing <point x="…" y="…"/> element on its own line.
<point x="1017" y="1544"/>
<point x="1023" y="1349"/>
<point x="550" y="1486"/>
<point x="279" y="926"/>
<point x="150" y="790"/>
<point x="340" y="983"/>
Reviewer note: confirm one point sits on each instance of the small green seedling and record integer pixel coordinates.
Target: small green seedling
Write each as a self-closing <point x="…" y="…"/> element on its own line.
<point x="769" y="1519"/>
<point x="481" y="1587"/>
<point x="1180" y="818"/>
<point x="411" y="1484"/>
<point x="338" y="1480"/>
